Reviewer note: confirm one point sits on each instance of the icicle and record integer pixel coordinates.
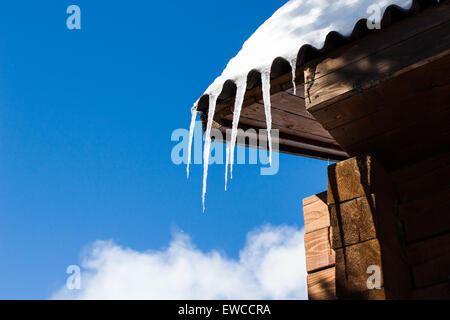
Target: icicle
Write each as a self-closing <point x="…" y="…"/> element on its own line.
<point x="227" y="157"/>
<point x="207" y="150"/>
<point x="240" y="93"/>
<point x="293" y="63"/>
<point x="191" y="135"/>
<point x="265" y="78"/>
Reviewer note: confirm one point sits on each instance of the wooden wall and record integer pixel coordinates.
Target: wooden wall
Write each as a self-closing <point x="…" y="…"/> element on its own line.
<point x="423" y="205"/>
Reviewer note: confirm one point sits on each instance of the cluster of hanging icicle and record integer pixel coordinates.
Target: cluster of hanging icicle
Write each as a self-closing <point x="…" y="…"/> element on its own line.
<point x="241" y="85"/>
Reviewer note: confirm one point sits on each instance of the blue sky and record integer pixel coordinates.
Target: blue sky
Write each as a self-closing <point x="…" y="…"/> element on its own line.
<point x="85" y="124"/>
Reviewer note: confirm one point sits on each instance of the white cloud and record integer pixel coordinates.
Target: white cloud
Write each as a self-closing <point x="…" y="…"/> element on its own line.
<point x="270" y="266"/>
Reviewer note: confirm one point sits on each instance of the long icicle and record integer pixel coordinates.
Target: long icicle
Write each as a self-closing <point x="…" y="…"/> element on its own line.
<point x="191" y="135"/>
<point x="293" y="63"/>
<point x="227" y="158"/>
<point x="239" y="101"/>
<point x="265" y="78"/>
<point x="207" y="150"/>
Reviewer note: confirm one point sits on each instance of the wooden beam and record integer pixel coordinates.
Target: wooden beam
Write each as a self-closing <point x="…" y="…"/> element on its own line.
<point x="432" y="272"/>
<point x="357" y="177"/>
<point x="319" y="254"/>
<point x="315" y="213"/>
<point x="424" y="185"/>
<point x="430" y="261"/>
<point x="353" y="222"/>
<point x="437" y="292"/>
<point x="427" y="216"/>
<point x="303" y="126"/>
<point x="421" y="252"/>
<point x="291" y="142"/>
<point x="322" y="285"/>
<point x="351" y="268"/>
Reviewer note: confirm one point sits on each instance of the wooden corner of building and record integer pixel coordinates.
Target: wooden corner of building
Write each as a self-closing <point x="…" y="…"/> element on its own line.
<point x="366" y="231"/>
<point x="352" y="238"/>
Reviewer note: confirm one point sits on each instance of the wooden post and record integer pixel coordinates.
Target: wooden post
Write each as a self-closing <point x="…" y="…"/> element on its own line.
<point x="366" y="233"/>
<point x="320" y="257"/>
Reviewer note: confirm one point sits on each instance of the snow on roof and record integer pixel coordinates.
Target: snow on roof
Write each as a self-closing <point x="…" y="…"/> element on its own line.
<point x="299" y="23"/>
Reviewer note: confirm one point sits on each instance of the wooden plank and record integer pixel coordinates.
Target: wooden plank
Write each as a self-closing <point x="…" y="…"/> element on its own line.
<point x="322" y="285"/>
<point x="426" y="217"/>
<point x="309" y="138"/>
<point x="351" y="270"/>
<point x="378" y="67"/>
<point x="315" y="198"/>
<point x="353" y="222"/>
<point x="420" y="169"/>
<point x="305" y="126"/>
<point x="428" y="250"/>
<point x="425" y="185"/>
<point x="315" y="213"/>
<point x="434" y="137"/>
<point x="355" y="178"/>
<point x="319" y="254"/>
<point x="289" y="103"/>
<point x="364" y="219"/>
<point x="291" y="143"/>
<point x="351" y="267"/>
<point x="432" y="272"/>
<point x="437" y="292"/>
<point x="344" y="180"/>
